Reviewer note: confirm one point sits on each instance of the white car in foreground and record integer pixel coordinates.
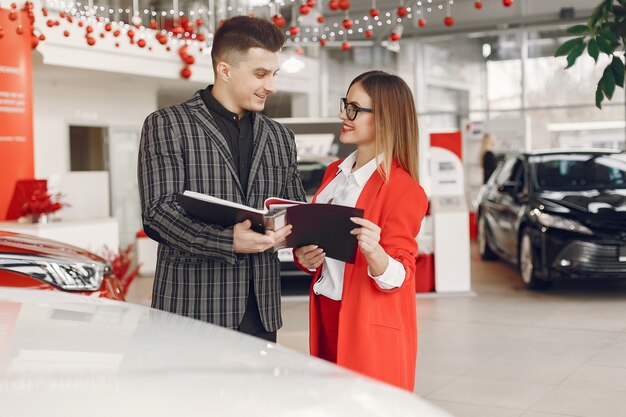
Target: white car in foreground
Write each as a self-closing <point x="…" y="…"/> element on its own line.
<point x="68" y="355"/>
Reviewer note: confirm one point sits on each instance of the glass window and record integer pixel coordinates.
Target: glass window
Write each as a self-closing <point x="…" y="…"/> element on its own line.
<point x="505" y="172"/>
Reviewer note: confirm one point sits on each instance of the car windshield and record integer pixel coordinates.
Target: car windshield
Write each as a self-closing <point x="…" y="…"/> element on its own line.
<point x="579" y="171"/>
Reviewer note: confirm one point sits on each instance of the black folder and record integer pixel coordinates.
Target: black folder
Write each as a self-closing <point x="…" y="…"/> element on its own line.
<point x="325" y="225"/>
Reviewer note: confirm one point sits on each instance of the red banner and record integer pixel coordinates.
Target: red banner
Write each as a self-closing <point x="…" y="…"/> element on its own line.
<point x="16" y="105"/>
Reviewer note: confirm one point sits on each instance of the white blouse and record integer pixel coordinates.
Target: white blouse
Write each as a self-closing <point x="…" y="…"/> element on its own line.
<point x="345" y="190"/>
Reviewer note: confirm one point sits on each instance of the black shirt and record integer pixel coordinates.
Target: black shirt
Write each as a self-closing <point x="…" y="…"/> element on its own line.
<point x="237" y="132"/>
<point x="490" y="162"/>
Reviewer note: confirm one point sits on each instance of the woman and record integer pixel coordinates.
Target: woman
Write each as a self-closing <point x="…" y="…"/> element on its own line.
<point x="362" y="315"/>
<point x="488" y="160"/>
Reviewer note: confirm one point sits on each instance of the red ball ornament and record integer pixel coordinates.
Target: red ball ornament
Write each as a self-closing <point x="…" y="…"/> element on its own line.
<point x="141" y="43"/>
<point x="345" y="46"/>
<point x="69" y="19"/>
<point x="66" y="34"/>
<point x="294" y="30"/>
<point x="304" y="9"/>
<point x="102" y="35"/>
<point x="201" y="37"/>
<point x="321" y="19"/>
<point x="116" y="33"/>
<point x="448" y="21"/>
<point x="62" y="15"/>
<point x="50" y="23"/>
<point x="310" y="3"/>
<point x="478" y="4"/>
<point x="42" y="37"/>
<point x="162" y="39"/>
<point x="323" y="42"/>
<point x="333" y="5"/>
<point x="130" y="33"/>
<point x="117" y="45"/>
<point x="91" y="41"/>
<point x="402" y="12"/>
<point x="368" y="34"/>
<point x="56" y="23"/>
<point x="507" y="3"/>
<point x="199" y="22"/>
<point x="44" y="11"/>
<point x="153" y="24"/>
<point x="347" y="23"/>
<point x="189" y="59"/>
<point x="88" y="29"/>
<point x="421" y="23"/>
<point x="178" y="30"/>
<point x="374" y="12"/>
<point x="34" y="42"/>
<point x="344" y="4"/>
<point x="185" y="73"/>
<point x="19" y="30"/>
<point x="108" y="27"/>
<point x="168" y="49"/>
<point x="279" y="20"/>
<point x="394" y="37"/>
<point x="81" y="24"/>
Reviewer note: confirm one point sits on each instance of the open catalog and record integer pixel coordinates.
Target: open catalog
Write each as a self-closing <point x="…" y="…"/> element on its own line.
<point x="325" y="225"/>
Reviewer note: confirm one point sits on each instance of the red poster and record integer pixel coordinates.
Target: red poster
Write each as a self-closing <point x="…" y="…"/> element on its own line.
<point x="16" y="106"/>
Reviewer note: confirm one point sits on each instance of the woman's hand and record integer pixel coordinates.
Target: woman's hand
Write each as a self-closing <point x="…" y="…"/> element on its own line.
<point x="310" y="256"/>
<point x="368" y="236"/>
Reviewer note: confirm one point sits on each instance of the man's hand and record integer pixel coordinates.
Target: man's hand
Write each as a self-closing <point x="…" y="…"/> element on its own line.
<point x="246" y="240"/>
<point x="310" y="256"/>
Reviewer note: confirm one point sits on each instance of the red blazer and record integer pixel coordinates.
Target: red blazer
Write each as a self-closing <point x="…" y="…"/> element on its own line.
<point x="378" y="328"/>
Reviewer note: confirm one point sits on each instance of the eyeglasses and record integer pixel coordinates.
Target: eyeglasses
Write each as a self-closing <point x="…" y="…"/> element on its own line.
<point x="352" y="110"/>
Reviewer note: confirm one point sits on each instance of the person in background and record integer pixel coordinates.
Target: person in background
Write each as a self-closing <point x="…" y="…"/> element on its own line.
<point x="488" y="160"/>
<point x="219" y="143"/>
<point x="362" y="315"/>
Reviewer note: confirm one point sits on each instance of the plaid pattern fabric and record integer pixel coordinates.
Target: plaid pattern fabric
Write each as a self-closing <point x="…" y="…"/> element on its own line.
<point x="198" y="275"/>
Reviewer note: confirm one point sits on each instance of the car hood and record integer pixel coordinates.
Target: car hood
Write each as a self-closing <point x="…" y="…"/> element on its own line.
<point x="606" y="203"/>
<point x="71" y="356"/>
<point x="30" y="245"/>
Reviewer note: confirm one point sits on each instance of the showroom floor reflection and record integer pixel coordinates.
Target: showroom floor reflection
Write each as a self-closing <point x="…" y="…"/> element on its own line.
<point x="505" y="351"/>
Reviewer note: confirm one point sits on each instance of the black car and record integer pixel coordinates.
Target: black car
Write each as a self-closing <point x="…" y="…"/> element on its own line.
<point x="557" y="215"/>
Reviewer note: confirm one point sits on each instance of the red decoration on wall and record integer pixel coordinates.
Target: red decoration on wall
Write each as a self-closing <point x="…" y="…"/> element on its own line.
<point x="185" y="73"/>
<point x="374" y="12"/>
<point x="344" y="4"/>
<point x="402" y="12"/>
<point x="369" y="34"/>
<point x="345" y="46"/>
<point x="347" y="23"/>
<point x="507" y="3"/>
<point x="321" y="19"/>
<point x="478" y="4"/>
<point x="421" y="23"/>
<point x="294" y="30"/>
<point x="333" y="5"/>
<point x="448" y="21"/>
<point x="304" y="9"/>
<point x="322" y="42"/>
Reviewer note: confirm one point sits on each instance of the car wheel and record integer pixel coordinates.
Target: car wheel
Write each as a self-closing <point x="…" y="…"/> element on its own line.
<point x="527" y="265"/>
<point x="486" y="254"/>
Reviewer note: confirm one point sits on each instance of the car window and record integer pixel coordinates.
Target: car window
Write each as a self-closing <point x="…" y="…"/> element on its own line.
<point x="579" y="171"/>
<point x="505" y="172"/>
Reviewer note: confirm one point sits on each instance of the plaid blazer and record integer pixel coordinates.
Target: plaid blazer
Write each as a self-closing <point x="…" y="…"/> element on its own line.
<point x="198" y="275"/>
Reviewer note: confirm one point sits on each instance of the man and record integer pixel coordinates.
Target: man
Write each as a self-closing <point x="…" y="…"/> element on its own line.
<point x="217" y="143"/>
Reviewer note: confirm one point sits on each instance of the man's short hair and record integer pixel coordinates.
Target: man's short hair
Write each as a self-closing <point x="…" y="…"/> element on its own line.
<point x="238" y="34"/>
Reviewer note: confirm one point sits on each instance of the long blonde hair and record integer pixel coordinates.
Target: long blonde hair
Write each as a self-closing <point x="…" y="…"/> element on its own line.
<point x="395" y="120"/>
<point x="486" y="145"/>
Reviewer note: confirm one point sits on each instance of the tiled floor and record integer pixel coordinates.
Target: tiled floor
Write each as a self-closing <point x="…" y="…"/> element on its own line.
<point x="505" y="351"/>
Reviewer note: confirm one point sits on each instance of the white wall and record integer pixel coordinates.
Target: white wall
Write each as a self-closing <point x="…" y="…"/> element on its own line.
<point x="81" y="97"/>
